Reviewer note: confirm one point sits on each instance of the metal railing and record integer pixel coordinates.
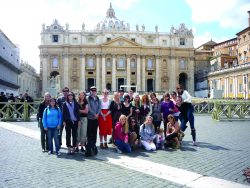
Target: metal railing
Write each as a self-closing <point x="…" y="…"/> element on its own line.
<point x="218" y="109"/>
<point x="23" y="111"/>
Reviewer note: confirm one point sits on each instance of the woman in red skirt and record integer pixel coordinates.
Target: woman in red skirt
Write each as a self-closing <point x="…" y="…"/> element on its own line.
<point x="105" y="120"/>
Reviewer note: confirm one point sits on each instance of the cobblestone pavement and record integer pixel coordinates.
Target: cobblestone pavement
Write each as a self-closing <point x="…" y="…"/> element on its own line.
<point x="223" y="151"/>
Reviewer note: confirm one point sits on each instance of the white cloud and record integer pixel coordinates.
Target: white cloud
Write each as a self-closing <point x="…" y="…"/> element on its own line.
<point x="230" y="13"/>
<point x="205" y="37"/>
<point x="22" y="20"/>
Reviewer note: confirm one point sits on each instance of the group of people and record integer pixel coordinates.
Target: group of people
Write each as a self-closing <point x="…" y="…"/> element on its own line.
<point x="131" y="120"/>
<point x="11" y="98"/>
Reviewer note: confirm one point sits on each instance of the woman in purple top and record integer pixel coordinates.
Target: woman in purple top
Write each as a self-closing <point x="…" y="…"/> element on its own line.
<point x="167" y="107"/>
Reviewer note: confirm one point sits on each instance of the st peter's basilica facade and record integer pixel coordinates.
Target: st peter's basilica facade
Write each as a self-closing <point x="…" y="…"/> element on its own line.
<point x="112" y="55"/>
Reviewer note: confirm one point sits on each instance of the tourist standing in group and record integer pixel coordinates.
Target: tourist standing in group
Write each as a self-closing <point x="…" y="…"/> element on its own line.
<point x="115" y="108"/>
<point x="52" y="120"/>
<point x="146" y="107"/>
<point x="136" y="106"/>
<point x="121" y="135"/>
<point x="131" y="95"/>
<point x="187" y="111"/>
<point x="71" y="121"/>
<point x="44" y="136"/>
<point x="167" y="107"/>
<point x="176" y="112"/>
<point x="147" y="133"/>
<point x="105" y="120"/>
<point x="156" y="111"/>
<point x="127" y="109"/>
<point x="60" y="101"/>
<point x="121" y="94"/>
<point x="93" y="114"/>
<point x="82" y="129"/>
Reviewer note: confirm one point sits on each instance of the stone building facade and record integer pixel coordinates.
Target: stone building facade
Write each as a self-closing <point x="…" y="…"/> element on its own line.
<point x="9" y="65"/>
<point x="112" y="55"/>
<point x="28" y="80"/>
<point x="230" y="66"/>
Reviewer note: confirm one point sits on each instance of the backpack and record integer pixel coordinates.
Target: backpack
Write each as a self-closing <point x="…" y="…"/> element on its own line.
<point x="91" y="149"/>
<point x="47" y="110"/>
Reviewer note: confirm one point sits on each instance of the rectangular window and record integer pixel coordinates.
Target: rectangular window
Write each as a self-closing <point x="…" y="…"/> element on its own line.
<point x="90" y="72"/>
<point x="108" y="73"/>
<point x="164" y="42"/>
<point x="231" y="88"/>
<point x="55" y="62"/>
<point x="150" y="65"/>
<point x="182" y="41"/>
<point x="91" y="40"/>
<point x="240" y="88"/>
<point x="133" y="39"/>
<point x="108" y="39"/>
<point x="55" y="38"/>
<point x="121" y="63"/>
<point x="133" y="73"/>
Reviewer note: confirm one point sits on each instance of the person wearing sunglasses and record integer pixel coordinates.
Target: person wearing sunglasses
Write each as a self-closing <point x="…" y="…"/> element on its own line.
<point x="187" y="111"/>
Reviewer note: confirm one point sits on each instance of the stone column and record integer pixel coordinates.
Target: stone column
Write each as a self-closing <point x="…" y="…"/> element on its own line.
<point x="143" y="88"/>
<point x="138" y="73"/>
<point x="98" y="73"/>
<point x="157" y="74"/>
<point x="245" y="86"/>
<point x="173" y="78"/>
<point x="236" y="86"/>
<point x="191" y="76"/>
<point x="82" y="73"/>
<point x="128" y="72"/>
<point x="103" y="65"/>
<point x="65" y="70"/>
<point x="227" y="88"/>
<point x="114" y="74"/>
<point x="45" y="73"/>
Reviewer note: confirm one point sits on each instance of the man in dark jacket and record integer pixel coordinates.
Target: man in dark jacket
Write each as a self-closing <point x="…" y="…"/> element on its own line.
<point x="94" y="110"/>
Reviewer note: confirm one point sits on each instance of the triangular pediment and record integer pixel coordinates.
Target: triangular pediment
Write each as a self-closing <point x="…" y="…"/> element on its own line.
<point x="121" y="42"/>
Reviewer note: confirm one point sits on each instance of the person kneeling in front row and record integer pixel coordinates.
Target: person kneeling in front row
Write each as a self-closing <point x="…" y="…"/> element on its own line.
<point x="121" y="135"/>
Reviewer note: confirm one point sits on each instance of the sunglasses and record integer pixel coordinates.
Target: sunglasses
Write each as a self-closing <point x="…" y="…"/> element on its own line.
<point x="178" y="88"/>
<point x="66" y="91"/>
<point x="132" y="121"/>
<point x="105" y="93"/>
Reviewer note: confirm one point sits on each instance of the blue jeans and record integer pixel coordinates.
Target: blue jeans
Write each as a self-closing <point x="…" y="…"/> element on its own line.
<point x="124" y="147"/>
<point x="53" y="134"/>
<point x="189" y="117"/>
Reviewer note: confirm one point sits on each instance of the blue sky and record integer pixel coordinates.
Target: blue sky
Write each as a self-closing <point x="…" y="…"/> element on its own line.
<point x="213" y="19"/>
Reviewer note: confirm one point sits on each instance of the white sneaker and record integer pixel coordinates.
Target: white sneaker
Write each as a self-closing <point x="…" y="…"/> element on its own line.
<point x="194" y="143"/>
<point x="118" y="150"/>
<point x="58" y="153"/>
<point x="49" y="152"/>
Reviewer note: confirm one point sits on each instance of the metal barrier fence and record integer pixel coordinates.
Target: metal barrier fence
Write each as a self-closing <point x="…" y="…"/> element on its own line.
<point x="219" y="109"/>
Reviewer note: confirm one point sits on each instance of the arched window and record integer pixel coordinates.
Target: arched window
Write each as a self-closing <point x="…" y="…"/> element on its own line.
<point x="132" y="63"/>
<point x="75" y="63"/>
<point x="55" y="62"/>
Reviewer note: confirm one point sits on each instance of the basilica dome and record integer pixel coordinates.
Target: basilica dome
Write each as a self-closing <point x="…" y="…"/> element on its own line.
<point x="111" y="23"/>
